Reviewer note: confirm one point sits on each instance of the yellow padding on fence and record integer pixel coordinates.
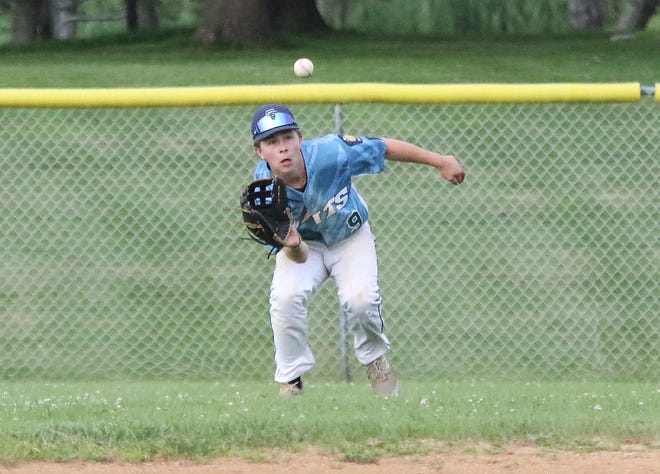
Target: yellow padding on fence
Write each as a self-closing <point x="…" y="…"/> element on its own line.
<point x="321" y="93"/>
<point x="657" y="88"/>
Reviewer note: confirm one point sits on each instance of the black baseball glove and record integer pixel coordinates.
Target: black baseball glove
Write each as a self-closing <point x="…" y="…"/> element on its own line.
<point x="266" y="212"/>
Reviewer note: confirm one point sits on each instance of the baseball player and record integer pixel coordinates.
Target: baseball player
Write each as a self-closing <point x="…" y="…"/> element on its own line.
<point x="333" y="238"/>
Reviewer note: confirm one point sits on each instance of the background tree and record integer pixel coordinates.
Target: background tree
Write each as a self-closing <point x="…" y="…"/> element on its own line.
<point x="636" y="15"/>
<point x="34" y="20"/>
<point x="147" y="12"/>
<point x="593" y="14"/>
<point x="246" y="21"/>
<point x="131" y="15"/>
<point x="64" y="13"/>
<point x="237" y="21"/>
<point x="587" y="14"/>
<point x="334" y="11"/>
<point x="141" y="14"/>
<point x="31" y="20"/>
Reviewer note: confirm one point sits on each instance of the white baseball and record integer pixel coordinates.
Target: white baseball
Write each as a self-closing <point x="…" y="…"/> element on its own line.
<point x="303" y="67"/>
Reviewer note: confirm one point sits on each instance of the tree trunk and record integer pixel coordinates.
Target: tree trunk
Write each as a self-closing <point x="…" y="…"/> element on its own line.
<point x="587" y="14"/>
<point x="45" y="20"/>
<point x="251" y="21"/>
<point x="636" y="15"/>
<point x="31" y="21"/>
<point x="334" y="12"/>
<point x="131" y="15"/>
<point x="233" y="21"/>
<point x="142" y="14"/>
<point x="297" y="16"/>
<point x="147" y="14"/>
<point x="64" y="12"/>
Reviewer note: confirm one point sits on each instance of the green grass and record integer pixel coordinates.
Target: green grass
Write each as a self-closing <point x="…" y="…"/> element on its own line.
<point x="171" y="58"/>
<point x="138" y="421"/>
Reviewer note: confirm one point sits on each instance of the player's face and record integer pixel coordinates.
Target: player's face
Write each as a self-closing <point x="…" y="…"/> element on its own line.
<point x="282" y="152"/>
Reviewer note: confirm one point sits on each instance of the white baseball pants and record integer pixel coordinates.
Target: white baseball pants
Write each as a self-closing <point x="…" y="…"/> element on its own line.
<point x="353" y="265"/>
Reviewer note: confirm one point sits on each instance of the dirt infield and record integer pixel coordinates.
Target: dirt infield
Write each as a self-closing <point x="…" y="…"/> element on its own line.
<point x="512" y="460"/>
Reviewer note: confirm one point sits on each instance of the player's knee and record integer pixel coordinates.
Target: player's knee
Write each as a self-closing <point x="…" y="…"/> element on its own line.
<point x="287" y="302"/>
<point x="360" y="303"/>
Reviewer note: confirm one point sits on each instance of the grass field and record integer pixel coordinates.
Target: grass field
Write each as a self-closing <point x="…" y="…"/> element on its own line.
<point x="138" y="420"/>
<point x="171" y="59"/>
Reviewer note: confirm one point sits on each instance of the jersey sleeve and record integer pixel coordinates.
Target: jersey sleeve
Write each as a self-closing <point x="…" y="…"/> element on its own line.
<point x="366" y="155"/>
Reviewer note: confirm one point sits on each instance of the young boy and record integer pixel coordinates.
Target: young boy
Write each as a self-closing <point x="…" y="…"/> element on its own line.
<point x="333" y="238"/>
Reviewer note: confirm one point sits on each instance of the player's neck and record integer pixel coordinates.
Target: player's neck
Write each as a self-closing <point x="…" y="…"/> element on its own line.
<point x="300" y="183"/>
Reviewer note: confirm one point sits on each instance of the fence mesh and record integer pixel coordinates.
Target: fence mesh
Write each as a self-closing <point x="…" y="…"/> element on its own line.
<point x="122" y="252"/>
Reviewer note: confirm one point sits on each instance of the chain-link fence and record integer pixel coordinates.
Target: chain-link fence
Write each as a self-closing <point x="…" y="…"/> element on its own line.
<point x="122" y="251"/>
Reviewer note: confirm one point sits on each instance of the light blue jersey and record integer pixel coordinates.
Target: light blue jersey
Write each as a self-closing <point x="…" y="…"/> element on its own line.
<point x="330" y="209"/>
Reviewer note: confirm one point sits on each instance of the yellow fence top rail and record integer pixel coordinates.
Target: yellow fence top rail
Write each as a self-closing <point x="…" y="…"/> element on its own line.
<point x="320" y="93"/>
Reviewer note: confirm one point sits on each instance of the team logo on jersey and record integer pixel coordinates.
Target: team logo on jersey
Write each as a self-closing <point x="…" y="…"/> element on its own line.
<point x="354" y="221"/>
<point x="350" y="140"/>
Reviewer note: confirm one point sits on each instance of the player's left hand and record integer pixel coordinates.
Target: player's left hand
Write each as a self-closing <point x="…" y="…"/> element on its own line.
<point x="294" y="246"/>
<point x="292" y="237"/>
<point x="452" y="171"/>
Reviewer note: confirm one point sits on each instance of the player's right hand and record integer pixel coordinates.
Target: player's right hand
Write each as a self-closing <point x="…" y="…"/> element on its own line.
<point x="452" y="171"/>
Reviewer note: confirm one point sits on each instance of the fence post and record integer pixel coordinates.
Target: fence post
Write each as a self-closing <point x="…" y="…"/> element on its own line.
<point x="344" y="343"/>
